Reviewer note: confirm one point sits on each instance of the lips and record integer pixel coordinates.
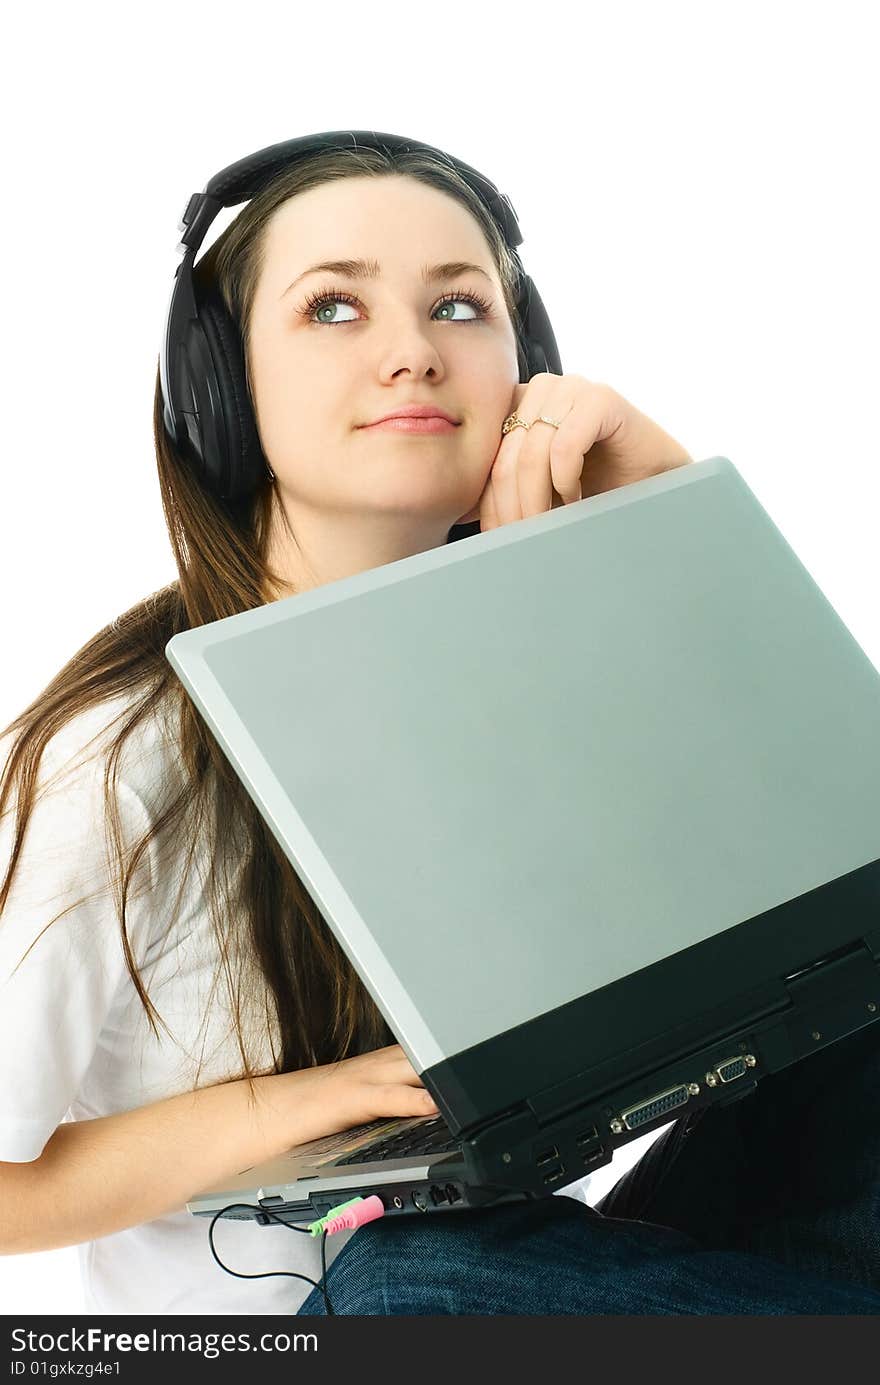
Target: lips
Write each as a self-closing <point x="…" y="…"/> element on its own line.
<point x="413" y="411"/>
<point x="413" y="427"/>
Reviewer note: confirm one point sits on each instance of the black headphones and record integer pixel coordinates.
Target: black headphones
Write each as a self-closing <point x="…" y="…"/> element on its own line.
<point x="207" y="407"/>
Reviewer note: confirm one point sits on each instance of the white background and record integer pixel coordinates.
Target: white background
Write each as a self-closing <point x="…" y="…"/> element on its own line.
<point x="696" y="185"/>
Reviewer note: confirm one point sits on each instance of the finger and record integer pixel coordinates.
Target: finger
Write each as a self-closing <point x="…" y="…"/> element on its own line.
<point x="488" y="512"/>
<point x="504" y="479"/>
<point x="390" y="1100"/>
<point x="545" y="462"/>
<point x="551" y="460"/>
<point x="533" y="474"/>
<point x="502" y="493"/>
<point x="596" y="416"/>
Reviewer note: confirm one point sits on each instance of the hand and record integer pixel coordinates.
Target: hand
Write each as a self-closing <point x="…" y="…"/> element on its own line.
<point x="602" y="442"/>
<point x="323" y="1100"/>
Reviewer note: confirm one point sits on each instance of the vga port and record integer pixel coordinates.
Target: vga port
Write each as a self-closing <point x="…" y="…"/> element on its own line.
<point x="731" y="1068"/>
<point x="658" y="1105"/>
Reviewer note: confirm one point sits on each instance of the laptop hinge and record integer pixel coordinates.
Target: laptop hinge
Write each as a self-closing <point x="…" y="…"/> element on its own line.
<point x="816" y="1005"/>
<point x="872" y="942"/>
<point x="836" y="995"/>
<point x="553" y="1103"/>
<point x="832" y="997"/>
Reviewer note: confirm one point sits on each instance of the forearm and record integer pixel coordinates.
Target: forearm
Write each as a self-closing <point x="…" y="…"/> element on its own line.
<point x="96" y="1177"/>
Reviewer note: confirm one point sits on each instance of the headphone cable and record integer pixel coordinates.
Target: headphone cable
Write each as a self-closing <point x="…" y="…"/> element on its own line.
<point x="269" y="1274"/>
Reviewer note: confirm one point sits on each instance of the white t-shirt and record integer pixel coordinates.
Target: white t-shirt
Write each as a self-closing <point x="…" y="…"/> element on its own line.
<point x="75" y="1042"/>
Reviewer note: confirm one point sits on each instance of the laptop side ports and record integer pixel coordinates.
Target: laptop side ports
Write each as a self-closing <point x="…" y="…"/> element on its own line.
<point x="659" y="1105"/>
<point x="730" y="1069"/>
<point x="586" y="1137"/>
<point x="554" y="1173"/>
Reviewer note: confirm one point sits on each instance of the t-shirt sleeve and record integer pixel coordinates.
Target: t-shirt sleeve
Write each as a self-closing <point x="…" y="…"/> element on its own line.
<point x="55" y="995"/>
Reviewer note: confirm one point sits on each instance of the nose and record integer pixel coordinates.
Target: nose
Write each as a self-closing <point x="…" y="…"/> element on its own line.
<point x="408" y="346"/>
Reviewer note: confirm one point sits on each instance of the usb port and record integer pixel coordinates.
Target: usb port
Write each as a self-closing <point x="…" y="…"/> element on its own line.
<point x="554" y="1174"/>
<point x="546" y="1156"/>
<point x="587" y="1136"/>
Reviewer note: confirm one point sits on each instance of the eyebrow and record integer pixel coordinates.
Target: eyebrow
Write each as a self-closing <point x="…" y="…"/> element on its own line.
<point x="370" y="269"/>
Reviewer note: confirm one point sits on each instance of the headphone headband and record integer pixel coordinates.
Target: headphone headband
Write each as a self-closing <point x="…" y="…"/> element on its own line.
<point x="206" y="403"/>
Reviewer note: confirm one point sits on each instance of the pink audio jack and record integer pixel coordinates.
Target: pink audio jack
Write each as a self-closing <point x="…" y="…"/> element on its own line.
<point x="358" y="1214"/>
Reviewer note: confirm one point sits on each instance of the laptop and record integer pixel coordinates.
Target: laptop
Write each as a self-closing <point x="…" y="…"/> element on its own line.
<point x="592" y="803"/>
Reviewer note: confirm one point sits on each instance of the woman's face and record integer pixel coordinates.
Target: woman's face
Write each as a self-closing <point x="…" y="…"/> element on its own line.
<point x="319" y="374"/>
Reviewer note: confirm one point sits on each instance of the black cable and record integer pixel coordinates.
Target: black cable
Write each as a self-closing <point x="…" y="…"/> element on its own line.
<point x="269" y="1274"/>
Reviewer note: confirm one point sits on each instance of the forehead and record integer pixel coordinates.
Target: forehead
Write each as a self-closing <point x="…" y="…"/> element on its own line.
<point x="394" y="220"/>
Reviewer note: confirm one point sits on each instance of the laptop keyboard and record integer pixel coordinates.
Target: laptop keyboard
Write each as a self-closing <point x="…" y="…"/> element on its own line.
<point x="430" y="1137"/>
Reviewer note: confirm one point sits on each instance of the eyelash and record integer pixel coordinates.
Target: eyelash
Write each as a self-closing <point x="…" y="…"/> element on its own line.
<point x="322" y="296"/>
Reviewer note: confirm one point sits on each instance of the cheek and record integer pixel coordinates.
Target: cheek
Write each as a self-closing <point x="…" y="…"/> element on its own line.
<point x="481" y="449"/>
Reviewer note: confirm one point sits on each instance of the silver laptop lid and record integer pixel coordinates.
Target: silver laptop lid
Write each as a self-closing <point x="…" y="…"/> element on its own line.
<point x="514" y="769"/>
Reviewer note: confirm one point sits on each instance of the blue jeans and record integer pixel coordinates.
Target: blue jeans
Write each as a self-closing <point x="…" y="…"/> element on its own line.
<point x="770" y="1205"/>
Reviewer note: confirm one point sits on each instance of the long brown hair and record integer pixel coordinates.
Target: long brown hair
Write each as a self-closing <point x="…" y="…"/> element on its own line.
<point x="324" y="1011"/>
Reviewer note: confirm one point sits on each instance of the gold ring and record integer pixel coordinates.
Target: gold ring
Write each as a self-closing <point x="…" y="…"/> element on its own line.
<point x="514" y="421"/>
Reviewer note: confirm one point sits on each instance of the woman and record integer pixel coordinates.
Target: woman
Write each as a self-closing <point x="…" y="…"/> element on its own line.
<point x="169" y="984"/>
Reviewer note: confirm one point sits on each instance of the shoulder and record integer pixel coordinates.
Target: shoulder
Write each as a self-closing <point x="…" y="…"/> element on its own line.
<point x="76" y="761"/>
<point x="82" y="822"/>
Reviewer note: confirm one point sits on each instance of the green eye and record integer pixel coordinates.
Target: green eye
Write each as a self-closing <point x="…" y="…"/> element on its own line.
<point x="323" y="297"/>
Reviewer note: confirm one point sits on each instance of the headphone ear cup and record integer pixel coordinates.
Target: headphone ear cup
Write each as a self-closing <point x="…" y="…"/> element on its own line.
<point x="234" y="460"/>
<point x="522" y="358"/>
<point x="537" y="362"/>
<point x="538" y="352"/>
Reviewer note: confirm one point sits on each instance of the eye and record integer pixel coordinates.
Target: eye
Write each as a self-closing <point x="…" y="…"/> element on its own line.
<point x="321" y="300"/>
<point x="324" y="297"/>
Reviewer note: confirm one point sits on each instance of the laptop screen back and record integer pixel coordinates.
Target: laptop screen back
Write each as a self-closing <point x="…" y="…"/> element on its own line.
<point x="517" y="768"/>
